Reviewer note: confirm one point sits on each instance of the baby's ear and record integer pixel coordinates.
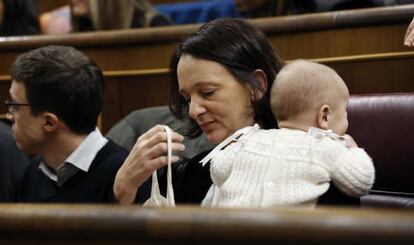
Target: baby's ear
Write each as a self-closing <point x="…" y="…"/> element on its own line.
<point x="261" y="78"/>
<point x="323" y="117"/>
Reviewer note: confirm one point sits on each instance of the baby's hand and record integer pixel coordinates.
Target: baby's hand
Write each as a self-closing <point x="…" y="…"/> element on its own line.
<point x="349" y="141"/>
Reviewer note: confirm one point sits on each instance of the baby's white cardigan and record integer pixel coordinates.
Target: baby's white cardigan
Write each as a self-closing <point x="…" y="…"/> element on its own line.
<point x="285" y="167"/>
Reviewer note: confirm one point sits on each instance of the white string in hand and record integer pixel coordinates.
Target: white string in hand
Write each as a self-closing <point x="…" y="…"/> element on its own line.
<point x="156" y="199"/>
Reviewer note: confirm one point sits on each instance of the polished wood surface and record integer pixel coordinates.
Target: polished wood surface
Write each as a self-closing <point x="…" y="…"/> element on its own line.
<point x="68" y="224"/>
<point x="375" y="73"/>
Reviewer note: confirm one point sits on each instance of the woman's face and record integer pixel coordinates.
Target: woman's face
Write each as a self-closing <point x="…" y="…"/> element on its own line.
<point x="218" y="102"/>
<point x="80" y="7"/>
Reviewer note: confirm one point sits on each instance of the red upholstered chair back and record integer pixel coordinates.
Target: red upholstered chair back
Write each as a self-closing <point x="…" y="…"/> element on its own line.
<point x="382" y="124"/>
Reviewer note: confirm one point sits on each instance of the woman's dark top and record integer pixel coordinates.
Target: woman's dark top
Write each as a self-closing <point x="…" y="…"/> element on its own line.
<point x="195" y="181"/>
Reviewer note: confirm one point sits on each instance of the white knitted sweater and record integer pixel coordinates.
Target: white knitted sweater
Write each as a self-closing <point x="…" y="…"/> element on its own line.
<point x="284" y="167"/>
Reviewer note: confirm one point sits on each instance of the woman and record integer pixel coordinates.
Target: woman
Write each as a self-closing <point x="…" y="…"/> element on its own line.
<point x="220" y="80"/>
<point x="91" y="15"/>
<point x="18" y="17"/>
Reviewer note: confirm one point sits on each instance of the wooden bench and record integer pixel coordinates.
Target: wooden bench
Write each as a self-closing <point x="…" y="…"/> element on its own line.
<point x="70" y="224"/>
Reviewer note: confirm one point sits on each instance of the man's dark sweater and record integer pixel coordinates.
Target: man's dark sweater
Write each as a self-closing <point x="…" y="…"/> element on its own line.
<point x="94" y="186"/>
<point x="12" y="164"/>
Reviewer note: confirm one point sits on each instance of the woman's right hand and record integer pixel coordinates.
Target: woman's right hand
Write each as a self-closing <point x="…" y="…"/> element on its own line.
<point x="148" y="154"/>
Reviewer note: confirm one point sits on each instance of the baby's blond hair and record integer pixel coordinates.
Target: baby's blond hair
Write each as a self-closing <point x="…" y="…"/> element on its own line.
<point x="303" y="85"/>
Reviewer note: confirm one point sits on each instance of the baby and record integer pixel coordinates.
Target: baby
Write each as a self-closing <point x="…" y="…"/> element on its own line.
<point x="293" y="165"/>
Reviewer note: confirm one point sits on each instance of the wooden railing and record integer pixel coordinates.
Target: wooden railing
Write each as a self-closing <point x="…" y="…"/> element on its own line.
<point x="69" y="224"/>
<point x="364" y="46"/>
<point x="354" y="32"/>
<point x="128" y="90"/>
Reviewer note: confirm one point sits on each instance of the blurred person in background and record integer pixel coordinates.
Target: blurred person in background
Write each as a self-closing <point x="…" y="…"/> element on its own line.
<point x="259" y="8"/>
<point x="18" y="17"/>
<point x="90" y="15"/>
<point x="268" y="8"/>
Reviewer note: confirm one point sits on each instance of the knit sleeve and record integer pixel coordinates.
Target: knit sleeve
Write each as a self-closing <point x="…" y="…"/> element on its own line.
<point x="351" y="169"/>
<point x="355" y="173"/>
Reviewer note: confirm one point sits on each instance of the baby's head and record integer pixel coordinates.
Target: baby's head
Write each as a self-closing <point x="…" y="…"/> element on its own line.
<point x="307" y="94"/>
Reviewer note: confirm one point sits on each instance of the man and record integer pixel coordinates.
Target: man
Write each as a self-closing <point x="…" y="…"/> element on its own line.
<point x="12" y="164"/>
<point x="56" y="97"/>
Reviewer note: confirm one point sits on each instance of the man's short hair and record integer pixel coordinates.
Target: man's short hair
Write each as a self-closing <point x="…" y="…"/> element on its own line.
<point x="64" y="81"/>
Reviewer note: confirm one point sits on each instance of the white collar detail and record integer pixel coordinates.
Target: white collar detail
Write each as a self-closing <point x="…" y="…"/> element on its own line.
<point x="239" y="134"/>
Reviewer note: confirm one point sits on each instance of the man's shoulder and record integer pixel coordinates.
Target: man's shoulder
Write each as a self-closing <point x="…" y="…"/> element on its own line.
<point x="34" y="162"/>
<point x="112" y="152"/>
<point x="32" y="170"/>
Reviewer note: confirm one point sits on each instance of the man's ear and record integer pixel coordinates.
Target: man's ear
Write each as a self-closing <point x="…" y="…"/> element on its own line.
<point x="261" y="78"/>
<point x="323" y="116"/>
<point x="51" y="122"/>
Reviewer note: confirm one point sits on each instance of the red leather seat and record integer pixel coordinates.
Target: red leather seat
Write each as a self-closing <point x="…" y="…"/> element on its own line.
<point x="382" y="124"/>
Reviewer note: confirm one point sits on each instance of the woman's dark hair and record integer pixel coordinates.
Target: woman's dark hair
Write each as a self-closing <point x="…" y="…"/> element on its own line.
<point x="242" y="49"/>
<point x="20" y="18"/>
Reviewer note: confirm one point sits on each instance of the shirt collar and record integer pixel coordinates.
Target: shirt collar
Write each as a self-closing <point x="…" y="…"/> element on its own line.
<point x="84" y="154"/>
<point x="82" y="157"/>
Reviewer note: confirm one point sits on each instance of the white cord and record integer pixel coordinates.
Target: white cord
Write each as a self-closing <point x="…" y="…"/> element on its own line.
<point x="156" y="199"/>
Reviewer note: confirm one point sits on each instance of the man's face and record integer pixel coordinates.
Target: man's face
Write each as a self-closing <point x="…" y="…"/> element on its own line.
<point x="27" y="128"/>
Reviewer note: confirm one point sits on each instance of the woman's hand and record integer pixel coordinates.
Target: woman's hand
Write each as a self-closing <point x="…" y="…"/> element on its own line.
<point x="148" y="154"/>
<point x="349" y="141"/>
<point x="409" y="35"/>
